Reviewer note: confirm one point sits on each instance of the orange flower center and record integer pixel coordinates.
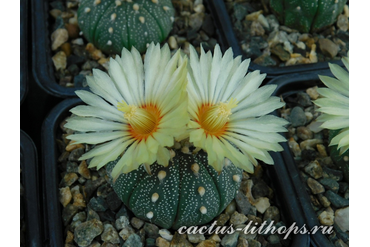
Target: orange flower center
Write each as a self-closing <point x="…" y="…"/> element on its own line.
<point x="143" y="121"/>
<point x="214" y="119"/>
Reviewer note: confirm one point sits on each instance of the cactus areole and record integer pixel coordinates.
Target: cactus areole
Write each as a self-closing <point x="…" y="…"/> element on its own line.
<point x="187" y="192"/>
<point x="113" y="24"/>
<point x="307" y="15"/>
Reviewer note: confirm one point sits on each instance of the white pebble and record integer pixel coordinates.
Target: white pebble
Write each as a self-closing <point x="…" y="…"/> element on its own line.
<point x="166" y="234"/>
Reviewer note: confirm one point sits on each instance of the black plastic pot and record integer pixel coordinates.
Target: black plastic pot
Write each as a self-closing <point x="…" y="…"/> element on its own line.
<point x="50" y="174"/>
<point x="31" y="209"/>
<point x="223" y="23"/>
<point x="278" y="178"/>
<point x="24" y="49"/>
<point x="287" y="86"/>
<point x="42" y="65"/>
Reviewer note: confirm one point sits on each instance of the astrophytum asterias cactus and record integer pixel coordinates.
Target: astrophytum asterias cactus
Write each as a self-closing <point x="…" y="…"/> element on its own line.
<point x="307" y="15"/>
<point x="174" y="137"/>
<point x="113" y="24"/>
<point x="186" y="192"/>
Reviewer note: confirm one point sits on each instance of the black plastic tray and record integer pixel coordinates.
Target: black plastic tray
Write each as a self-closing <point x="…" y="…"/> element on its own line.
<point x="286" y="197"/>
<point x="24" y="49"/>
<point x="289" y="85"/>
<point x="32" y="195"/>
<point x="42" y="65"/>
<point x="223" y="23"/>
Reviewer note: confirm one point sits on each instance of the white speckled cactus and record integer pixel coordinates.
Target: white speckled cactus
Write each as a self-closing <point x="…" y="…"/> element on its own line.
<point x="113" y="24"/>
<point x="307" y="15"/>
<point x="145" y="113"/>
<point x="186" y="192"/>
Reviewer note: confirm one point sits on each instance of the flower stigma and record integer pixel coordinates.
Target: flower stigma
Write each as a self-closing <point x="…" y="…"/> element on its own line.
<point x="214" y="119"/>
<point x="143" y="122"/>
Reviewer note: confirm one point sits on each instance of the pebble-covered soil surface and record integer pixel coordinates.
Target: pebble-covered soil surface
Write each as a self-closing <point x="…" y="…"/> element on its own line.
<point x="327" y="185"/>
<point x="268" y="43"/>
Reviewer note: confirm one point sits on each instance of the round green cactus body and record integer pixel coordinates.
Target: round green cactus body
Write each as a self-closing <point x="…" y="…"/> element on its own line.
<point x="187" y="192"/>
<point x="307" y="15"/>
<point x="113" y="24"/>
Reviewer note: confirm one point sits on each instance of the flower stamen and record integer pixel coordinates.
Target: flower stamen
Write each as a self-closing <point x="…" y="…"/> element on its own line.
<point x="214" y="118"/>
<point x="143" y="121"/>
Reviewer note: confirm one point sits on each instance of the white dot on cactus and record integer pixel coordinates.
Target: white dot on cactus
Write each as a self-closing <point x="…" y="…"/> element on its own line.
<point x="135" y="7"/>
<point x="109" y="42"/>
<point x="96" y="2"/>
<point x="142" y="19"/>
<point x="155" y="197"/>
<point x="87" y="10"/>
<point x="227" y="162"/>
<point x="172" y="19"/>
<point x="203" y="209"/>
<point x="201" y="191"/>
<point x="81" y="33"/>
<point x="298" y="8"/>
<point x="236" y="178"/>
<point x="185" y="150"/>
<point x="161" y="175"/>
<point x="110" y="30"/>
<point x="195" y="168"/>
<point x="149" y="215"/>
<point x="113" y="16"/>
<point x="146" y="33"/>
<point x="166" y="8"/>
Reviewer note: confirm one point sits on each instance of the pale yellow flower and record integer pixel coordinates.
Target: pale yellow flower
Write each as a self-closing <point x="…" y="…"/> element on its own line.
<point x="228" y="110"/>
<point x="135" y="111"/>
<point x="334" y="104"/>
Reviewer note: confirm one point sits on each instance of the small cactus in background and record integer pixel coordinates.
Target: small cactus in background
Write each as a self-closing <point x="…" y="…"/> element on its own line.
<point x="307" y="15"/>
<point x="113" y="24"/>
<point x="186" y="192"/>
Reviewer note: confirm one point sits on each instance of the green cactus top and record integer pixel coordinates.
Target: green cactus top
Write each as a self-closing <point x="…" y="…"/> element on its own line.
<point x="113" y="24"/>
<point x="307" y="15"/>
<point x="187" y="192"/>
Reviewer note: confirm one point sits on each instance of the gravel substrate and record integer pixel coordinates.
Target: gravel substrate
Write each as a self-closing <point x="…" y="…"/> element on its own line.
<point x="327" y="185"/>
<point x="268" y="43"/>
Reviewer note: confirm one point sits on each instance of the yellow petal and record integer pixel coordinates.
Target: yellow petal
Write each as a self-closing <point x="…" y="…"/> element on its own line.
<point x="163" y="156"/>
<point x="196" y="135"/>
